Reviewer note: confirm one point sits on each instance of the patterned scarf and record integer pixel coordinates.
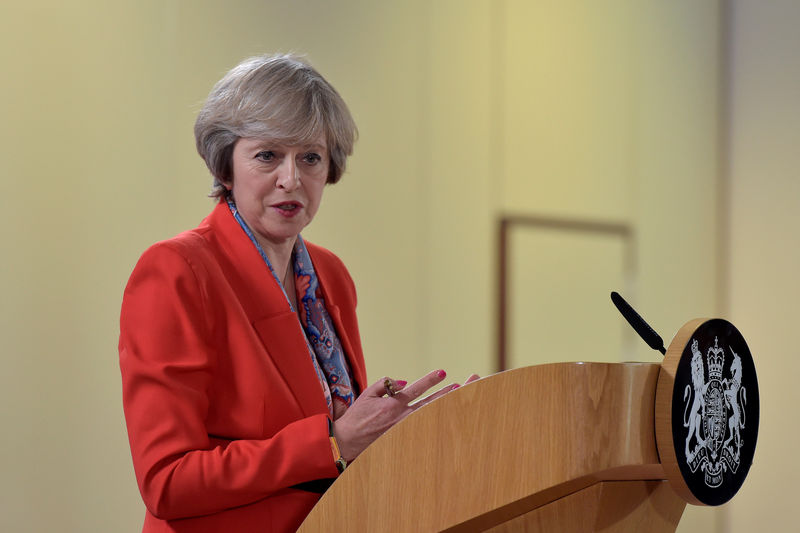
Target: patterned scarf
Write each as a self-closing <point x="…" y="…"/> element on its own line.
<point x="323" y="344"/>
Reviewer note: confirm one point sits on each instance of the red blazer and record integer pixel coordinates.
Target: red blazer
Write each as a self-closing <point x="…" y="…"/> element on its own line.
<point x="224" y="409"/>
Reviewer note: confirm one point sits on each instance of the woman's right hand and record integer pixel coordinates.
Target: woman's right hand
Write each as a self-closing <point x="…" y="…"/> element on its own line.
<point x="374" y="412"/>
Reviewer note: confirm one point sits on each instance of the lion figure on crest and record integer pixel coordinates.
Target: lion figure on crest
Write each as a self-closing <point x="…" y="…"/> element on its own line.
<point x="695" y="419"/>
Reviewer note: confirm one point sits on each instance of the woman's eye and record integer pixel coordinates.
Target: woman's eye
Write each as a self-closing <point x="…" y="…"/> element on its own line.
<point x="266" y="155"/>
<point x="312" y="158"/>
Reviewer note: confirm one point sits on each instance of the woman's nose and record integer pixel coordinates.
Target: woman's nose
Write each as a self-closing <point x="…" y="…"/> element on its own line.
<point x="288" y="175"/>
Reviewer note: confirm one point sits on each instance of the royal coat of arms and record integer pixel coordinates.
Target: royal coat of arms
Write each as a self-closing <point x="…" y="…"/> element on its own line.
<point x="714" y="413"/>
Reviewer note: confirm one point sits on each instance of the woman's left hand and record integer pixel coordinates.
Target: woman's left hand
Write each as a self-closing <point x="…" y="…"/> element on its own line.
<point x="374" y="412"/>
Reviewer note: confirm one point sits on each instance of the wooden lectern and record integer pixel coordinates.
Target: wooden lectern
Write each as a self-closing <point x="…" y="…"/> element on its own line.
<point x="566" y="447"/>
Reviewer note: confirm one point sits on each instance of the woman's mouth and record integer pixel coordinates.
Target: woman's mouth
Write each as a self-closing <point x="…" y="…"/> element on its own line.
<point x="288" y="209"/>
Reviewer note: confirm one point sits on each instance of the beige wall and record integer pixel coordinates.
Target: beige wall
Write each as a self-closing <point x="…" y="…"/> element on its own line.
<point x="467" y="110"/>
<point x="764" y="257"/>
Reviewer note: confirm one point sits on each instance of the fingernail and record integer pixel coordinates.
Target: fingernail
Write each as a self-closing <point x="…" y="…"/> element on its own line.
<point x="455" y="386"/>
<point x="441" y="373"/>
<point x="401" y="382"/>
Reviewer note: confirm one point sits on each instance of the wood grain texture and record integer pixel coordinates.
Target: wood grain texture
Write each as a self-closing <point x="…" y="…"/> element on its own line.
<point x="663" y="415"/>
<point x="607" y="507"/>
<point x="498" y="448"/>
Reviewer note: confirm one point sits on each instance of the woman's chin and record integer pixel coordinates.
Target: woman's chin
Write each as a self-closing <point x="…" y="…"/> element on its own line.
<point x="286" y="231"/>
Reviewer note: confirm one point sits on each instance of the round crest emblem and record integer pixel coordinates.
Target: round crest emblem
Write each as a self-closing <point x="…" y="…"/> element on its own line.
<point x="707" y="411"/>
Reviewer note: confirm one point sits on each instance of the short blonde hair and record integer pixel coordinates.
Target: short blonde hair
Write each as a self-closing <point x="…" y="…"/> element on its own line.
<point x="278" y="97"/>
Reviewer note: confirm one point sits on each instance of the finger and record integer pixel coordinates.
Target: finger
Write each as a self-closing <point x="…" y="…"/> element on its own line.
<point x="473" y="377"/>
<point x="418" y="388"/>
<point x="377" y="389"/>
<point x="392" y="386"/>
<point x="438" y="394"/>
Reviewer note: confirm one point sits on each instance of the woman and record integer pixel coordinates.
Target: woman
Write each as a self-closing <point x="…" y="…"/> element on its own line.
<point x="244" y="383"/>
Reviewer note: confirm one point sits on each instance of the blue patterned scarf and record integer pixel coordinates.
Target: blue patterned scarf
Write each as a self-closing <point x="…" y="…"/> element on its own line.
<point x="323" y="344"/>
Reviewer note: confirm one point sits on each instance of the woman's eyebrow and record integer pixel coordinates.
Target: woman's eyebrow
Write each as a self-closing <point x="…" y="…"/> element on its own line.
<point x="314" y="146"/>
<point x="277" y="145"/>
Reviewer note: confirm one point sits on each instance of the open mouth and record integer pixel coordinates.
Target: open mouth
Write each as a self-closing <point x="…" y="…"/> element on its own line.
<point x="288" y="208"/>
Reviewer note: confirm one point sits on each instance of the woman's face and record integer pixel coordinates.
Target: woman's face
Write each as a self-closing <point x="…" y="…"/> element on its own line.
<point x="277" y="187"/>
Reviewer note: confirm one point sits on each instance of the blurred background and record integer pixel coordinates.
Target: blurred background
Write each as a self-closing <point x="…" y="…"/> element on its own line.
<point x="649" y="147"/>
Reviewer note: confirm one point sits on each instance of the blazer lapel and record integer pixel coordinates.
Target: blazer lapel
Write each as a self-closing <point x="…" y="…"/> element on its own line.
<point x="285" y="343"/>
<point x="265" y="305"/>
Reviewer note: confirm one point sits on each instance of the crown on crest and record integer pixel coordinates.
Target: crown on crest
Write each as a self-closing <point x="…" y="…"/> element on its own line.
<point x="716" y="359"/>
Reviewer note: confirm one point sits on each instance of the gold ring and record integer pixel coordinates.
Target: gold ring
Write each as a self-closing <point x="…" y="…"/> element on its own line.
<point x="388" y="384"/>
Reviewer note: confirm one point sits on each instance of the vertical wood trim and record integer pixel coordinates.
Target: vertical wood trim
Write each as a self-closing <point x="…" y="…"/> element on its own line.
<point x="502" y="287"/>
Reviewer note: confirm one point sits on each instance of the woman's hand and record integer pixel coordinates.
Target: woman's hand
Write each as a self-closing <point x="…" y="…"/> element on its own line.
<point x="374" y="412"/>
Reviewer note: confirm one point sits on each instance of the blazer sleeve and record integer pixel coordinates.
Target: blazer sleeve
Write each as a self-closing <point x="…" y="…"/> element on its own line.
<point x="167" y="361"/>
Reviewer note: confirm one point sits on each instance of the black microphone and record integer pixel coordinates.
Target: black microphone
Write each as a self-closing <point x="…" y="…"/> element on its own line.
<point x="644" y="330"/>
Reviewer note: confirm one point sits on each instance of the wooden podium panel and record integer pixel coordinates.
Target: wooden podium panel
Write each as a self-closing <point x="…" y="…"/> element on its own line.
<point x="501" y="447"/>
<point x="607" y="507"/>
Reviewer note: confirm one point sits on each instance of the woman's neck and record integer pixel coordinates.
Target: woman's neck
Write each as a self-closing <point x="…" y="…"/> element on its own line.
<point x="280" y="256"/>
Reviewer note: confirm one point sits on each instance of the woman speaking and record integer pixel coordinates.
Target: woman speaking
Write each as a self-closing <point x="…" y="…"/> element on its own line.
<point x="244" y="384"/>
